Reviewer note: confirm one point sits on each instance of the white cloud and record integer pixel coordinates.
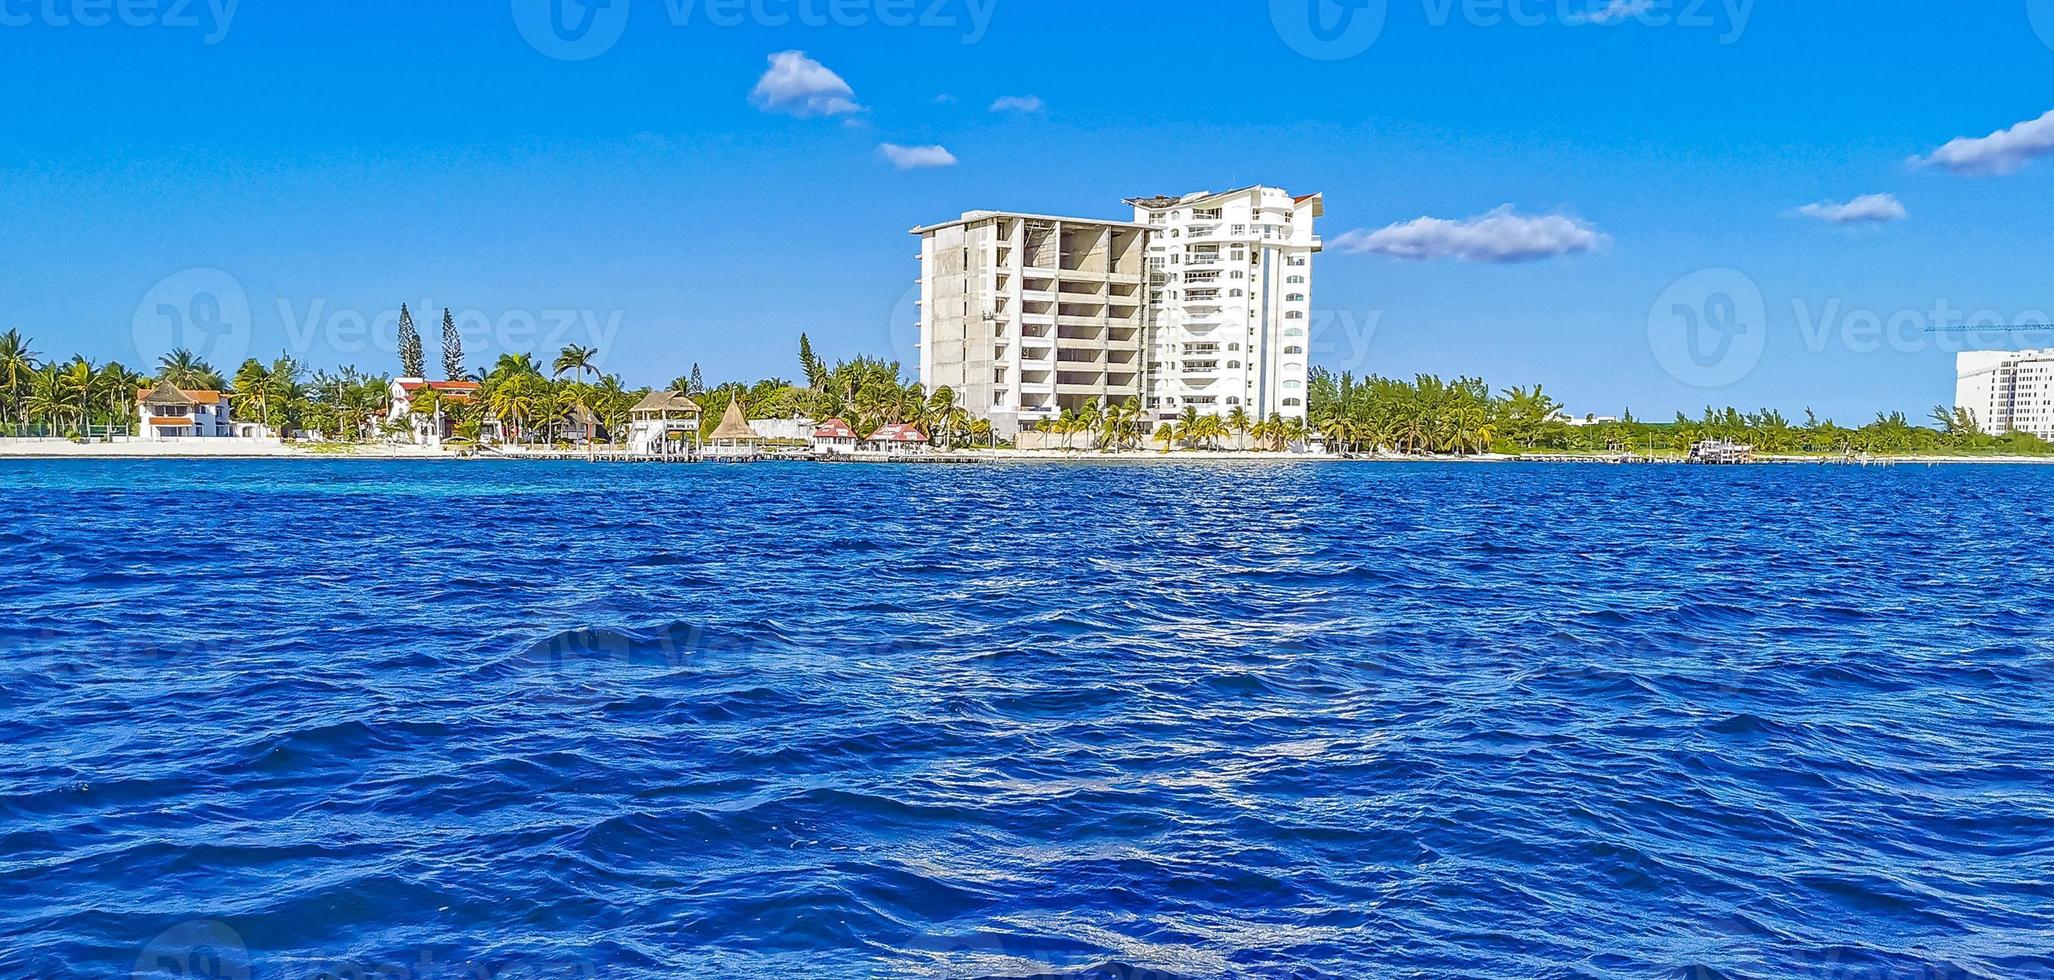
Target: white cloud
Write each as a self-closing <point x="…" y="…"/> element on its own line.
<point x="800" y="86"/>
<point x="2001" y="152"/>
<point x="916" y="157"/>
<point x="1866" y="209"/>
<point x="1500" y="236"/>
<point x="945" y="99"/>
<point x="1019" y="103"/>
<point x="1612" y="12"/>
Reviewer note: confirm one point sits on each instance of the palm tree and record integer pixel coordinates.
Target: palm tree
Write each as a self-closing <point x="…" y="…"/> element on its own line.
<point x="182" y="369"/>
<point x="1265" y="433"/>
<point x="251" y="394"/>
<point x="1165" y="434"/>
<point x="958" y="422"/>
<point x="1340" y="433"/>
<point x="614" y="406"/>
<point x="78" y="385"/>
<point x="941" y="406"/>
<point x="120" y="387"/>
<point x="17" y="366"/>
<point x="429" y="404"/>
<point x="1121" y="422"/>
<point x="1239" y="424"/>
<point x="1290" y="431"/>
<point x="579" y="359"/>
<point x="1188" y="429"/>
<point x="45" y="398"/>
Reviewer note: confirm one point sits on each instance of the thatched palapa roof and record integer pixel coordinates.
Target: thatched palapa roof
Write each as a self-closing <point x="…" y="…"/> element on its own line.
<point x="734" y="427"/>
<point x="666" y="402"/>
<point x="166" y="394"/>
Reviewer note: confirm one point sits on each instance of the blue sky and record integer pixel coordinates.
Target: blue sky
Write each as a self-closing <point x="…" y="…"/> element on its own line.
<point x="331" y="159"/>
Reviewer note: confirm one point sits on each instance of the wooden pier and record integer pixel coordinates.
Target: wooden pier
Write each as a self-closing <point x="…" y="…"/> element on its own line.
<point x="1616" y="459"/>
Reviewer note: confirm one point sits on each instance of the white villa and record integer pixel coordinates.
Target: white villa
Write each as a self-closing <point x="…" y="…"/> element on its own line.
<point x="429" y="429"/>
<point x="173" y="413"/>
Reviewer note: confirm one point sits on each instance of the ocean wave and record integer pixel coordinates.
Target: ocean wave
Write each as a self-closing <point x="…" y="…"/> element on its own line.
<point x="1089" y="722"/>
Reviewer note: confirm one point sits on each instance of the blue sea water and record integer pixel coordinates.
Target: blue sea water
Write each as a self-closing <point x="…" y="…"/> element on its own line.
<point x="360" y="719"/>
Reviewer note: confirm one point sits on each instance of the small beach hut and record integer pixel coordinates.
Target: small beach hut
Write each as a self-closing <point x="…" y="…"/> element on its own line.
<point x="897" y="440"/>
<point x="834" y="437"/>
<point x="732" y="438"/>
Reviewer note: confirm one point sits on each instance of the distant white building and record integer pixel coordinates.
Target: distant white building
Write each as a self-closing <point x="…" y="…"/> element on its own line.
<point x="1202" y="301"/>
<point x="2007" y="391"/>
<point x="167" y="412"/>
<point x="1230" y="281"/>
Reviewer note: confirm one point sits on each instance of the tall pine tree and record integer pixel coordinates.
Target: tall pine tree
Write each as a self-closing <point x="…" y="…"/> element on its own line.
<point x="698" y="383"/>
<point x="411" y="364"/>
<point x="810" y="366"/>
<point x="452" y="348"/>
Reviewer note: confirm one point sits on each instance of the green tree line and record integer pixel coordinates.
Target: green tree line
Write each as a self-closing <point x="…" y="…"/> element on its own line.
<point x="1429" y="415"/>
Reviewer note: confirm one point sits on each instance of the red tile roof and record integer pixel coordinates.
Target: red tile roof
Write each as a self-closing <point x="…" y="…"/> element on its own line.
<point x="898" y="433"/>
<point x="196" y="397"/>
<point x="834" y="429"/>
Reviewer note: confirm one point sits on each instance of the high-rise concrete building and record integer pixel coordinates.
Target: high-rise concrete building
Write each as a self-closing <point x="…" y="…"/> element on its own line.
<point x="1204" y="301"/>
<point x="1027" y="315"/>
<point x="1230" y="282"/>
<point x="2007" y="391"/>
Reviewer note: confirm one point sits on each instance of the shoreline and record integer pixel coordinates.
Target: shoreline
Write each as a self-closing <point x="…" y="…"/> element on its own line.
<point x="254" y="450"/>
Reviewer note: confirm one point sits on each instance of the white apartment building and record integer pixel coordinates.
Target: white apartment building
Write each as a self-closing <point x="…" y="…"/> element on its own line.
<point x="1027" y="315"/>
<point x="1202" y="301"/>
<point x="2007" y="391"/>
<point x="1230" y="280"/>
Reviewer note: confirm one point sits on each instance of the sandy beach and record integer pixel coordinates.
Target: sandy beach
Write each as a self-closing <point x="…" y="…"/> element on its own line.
<point x="207" y="449"/>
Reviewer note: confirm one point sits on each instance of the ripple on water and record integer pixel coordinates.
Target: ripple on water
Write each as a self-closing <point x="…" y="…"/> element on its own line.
<point x="1079" y="721"/>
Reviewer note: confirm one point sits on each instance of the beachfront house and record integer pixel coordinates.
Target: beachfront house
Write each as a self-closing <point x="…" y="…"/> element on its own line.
<point x="430" y="426"/>
<point x="733" y="438"/>
<point x="897" y="440"/>
<point x="579" y="426"/>
<point x="167" y="412"/>
<point x="663" y="423"/>
<point x="834" y="438"/>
